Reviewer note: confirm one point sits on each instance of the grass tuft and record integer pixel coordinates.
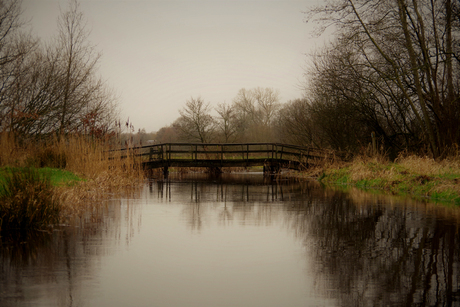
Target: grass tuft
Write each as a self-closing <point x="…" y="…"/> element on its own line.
<point x="27" y="201"/>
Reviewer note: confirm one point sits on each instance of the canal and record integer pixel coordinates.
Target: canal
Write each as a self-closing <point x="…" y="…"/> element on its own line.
<point x="241" y="240"/>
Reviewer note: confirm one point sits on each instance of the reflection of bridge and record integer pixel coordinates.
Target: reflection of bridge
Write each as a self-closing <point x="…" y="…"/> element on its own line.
<point x="272" y="156"/>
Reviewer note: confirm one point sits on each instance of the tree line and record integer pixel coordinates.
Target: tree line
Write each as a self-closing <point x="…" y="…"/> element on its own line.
<point x="51" y="88"/>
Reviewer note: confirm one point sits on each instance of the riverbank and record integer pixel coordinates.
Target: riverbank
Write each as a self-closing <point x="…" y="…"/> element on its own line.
<point x="417" y="177"/>
<point x="75" y="174"/>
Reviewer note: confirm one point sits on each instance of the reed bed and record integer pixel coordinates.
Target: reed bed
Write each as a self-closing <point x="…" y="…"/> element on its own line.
<point x="104" y="174"/>
<point x="107" y="175"/>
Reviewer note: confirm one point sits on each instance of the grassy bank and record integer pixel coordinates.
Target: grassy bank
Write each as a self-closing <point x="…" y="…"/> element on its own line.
<point x="418" y="177"/>
<point x="58" y="177"/>
<point x="77" y="172"/>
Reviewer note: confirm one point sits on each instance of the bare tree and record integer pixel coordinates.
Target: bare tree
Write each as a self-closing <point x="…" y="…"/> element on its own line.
<point x="77" y="66"/>
<point x="226" y="122"/>
<point x="255" y="113"/>
<point x="258" y="105"/>
<point x="15" y="47"/>
<point x="196" y="124"/>
<point x="54" y="88"/>
<point x="409" y="45"/>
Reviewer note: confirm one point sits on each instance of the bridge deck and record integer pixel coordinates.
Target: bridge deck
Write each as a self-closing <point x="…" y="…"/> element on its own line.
<point x="220" y="163"/>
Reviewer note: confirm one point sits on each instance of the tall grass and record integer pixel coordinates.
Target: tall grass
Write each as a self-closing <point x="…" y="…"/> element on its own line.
<point x="408" y="175"/>
<point x="105" y="173"/>
<point x="27" y="201"/>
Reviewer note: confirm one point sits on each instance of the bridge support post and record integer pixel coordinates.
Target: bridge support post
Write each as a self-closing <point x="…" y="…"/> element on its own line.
<point x="271" y="169"/>
<point x="215" y="170"/>
<point x="266" y="170"/>
<point x="165" y="172"/>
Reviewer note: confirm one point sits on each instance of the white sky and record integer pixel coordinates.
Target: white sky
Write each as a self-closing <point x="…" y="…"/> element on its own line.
<point x="158" y="54"/>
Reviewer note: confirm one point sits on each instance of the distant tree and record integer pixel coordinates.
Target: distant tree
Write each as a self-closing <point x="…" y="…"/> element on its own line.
<point x="255" y="113"/>
<point x="167" y="134"/>
<point x="226" y="122"/>
<point x="259" y="105"/>
<point x="196" y="124"/>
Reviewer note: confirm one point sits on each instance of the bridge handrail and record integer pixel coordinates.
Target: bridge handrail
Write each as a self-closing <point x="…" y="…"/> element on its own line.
<point x="240" y="151"/>
<point x="216" y="144"/>
<point x="311" y="151"/>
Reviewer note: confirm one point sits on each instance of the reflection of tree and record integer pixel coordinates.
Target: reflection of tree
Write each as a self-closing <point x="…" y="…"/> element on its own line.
<point x="380" y="257"/>
<point x="226" y="215"/>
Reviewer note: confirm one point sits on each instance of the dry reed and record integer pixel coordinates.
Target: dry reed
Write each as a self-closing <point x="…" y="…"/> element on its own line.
<point x="409" y="174"/>
<point x="106" y="174"/>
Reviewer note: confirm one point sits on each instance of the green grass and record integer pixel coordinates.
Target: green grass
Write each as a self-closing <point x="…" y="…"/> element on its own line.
<point x="58" y="177"/>
<point x="439" y="184"/>
<point x="26" y="201"/>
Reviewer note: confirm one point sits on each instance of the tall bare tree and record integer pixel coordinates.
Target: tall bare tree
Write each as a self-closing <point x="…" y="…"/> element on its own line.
<point x="77" y="60"/>
<point x="226" y="122"/>
<point x="409" y="45"/>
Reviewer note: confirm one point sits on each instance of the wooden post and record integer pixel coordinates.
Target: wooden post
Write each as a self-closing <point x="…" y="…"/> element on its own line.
<point x="150" y="153"/>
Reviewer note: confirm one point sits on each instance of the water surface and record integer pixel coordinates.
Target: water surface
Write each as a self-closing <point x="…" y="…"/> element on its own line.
<point x="240" y="240"/>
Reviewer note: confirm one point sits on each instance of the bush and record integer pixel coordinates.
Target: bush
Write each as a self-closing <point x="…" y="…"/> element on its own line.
<point x="26" y="201"/>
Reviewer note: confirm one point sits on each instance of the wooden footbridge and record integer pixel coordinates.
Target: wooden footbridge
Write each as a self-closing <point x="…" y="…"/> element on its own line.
<point x="272" y="156"/>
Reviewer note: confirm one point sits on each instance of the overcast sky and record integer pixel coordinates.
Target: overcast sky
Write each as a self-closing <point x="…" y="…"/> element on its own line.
<point x="158" y="54"/>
